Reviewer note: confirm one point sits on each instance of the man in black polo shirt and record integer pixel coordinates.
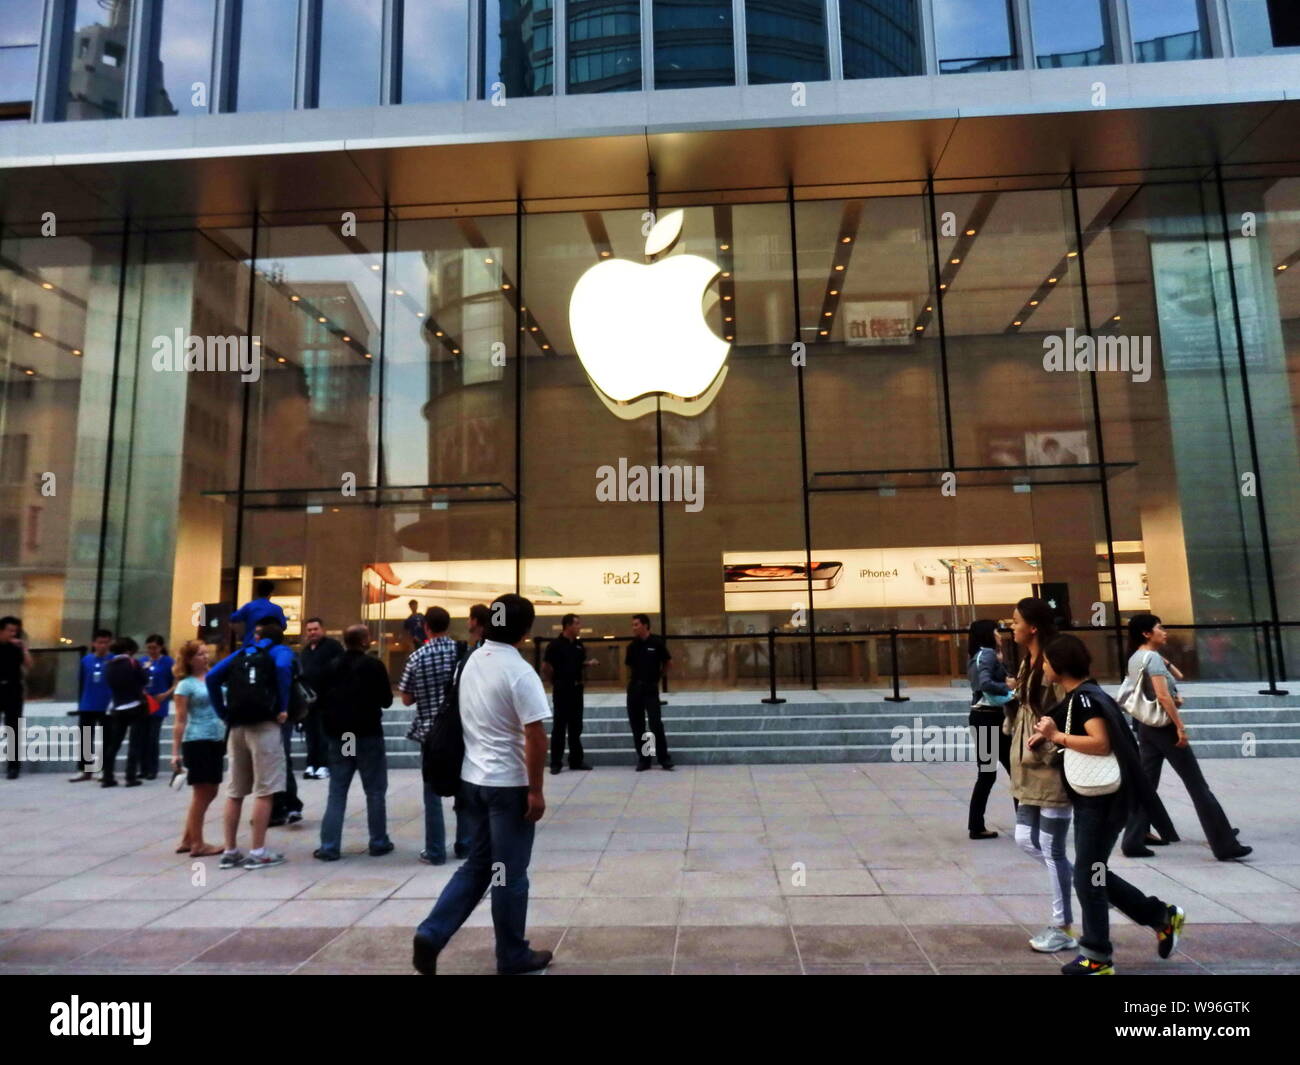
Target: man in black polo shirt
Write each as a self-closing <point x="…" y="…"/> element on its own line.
<point x="647" y="661"/>
<point x="563" y="666"/>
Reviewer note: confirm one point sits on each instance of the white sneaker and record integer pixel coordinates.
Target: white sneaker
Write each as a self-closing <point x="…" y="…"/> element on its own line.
<point x="322" y="773"/>
<point x="1050" y="940"/>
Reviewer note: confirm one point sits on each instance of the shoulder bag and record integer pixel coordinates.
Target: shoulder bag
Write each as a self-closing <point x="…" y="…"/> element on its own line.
<point x="1090" y="774"/>
<point x="1140" y="706"/>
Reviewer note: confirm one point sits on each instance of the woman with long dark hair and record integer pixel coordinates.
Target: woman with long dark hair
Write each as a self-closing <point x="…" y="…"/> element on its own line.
<point x="158" y="664"/>
<point x="1043" y="813"/>
<point x="1148" y="670"/>
<point x="1087" y="725"/>
<point x="989" y="694"/>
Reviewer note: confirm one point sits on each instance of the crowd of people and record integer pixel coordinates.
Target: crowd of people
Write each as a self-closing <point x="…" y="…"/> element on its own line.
<point x="1071" y="754"/>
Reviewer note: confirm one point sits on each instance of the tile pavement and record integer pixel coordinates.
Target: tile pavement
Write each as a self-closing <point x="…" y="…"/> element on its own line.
<point x="817" y="869"/>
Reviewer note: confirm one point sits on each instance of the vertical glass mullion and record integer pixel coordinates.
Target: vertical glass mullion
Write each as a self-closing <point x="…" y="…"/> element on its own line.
<point x="834" y="41"/>
<point x="390" y="59"/>
<point x="647" y="45"/>
<point x="1022" y="35"/>
<point x="929" y="49"/>
<point x="56" y="37"/>
<point x="559" y="47"/>
<point x="306" y="85"/>
<point x="740" y="41"/>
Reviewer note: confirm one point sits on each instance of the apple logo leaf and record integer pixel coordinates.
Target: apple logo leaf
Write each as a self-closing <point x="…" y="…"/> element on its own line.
<point x="664" y="233"/>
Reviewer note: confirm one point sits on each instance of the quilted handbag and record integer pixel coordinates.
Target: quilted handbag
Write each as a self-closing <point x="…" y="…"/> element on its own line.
<point x="1090" y="774"/>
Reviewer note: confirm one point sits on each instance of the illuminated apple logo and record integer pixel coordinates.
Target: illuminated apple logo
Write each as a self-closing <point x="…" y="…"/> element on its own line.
<point x="640" y="330"/>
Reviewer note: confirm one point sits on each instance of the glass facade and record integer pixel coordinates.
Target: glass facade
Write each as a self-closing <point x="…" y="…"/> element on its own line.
<point x="1261" y="27"/>
<point x="786" y="41"/>
<point x="350" y="36"/>
<point x="1168" y="30"/>
<point x="425" y="421"/>
<point x="974" y="35"/>
<point x="518" y="45"/>
<point x="434" y="28"/>
<point x="880" y="38"/>
<point x="1071" y="35"/>
<point x="20" y="42"/>
<point x="92" y="81"/>
<point x="268" y="36"/>
<point x="693" y="44"/>
<point x="180" y="61"/>
<point x="604" y="42"/>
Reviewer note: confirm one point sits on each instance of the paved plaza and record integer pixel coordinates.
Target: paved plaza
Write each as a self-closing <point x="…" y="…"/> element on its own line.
<point x="813" y="869"/>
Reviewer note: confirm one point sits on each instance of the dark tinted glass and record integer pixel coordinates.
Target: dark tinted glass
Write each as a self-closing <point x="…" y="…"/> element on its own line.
<point x="880" y="38"/>
<point x="786" y="40"/>
<point x="693" y="44"/>
<point x="604" y="45"/>
<point x="973" y="35"/>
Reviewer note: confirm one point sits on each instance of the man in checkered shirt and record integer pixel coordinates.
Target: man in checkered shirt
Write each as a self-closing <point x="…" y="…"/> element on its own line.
<point x="424" y="684"/>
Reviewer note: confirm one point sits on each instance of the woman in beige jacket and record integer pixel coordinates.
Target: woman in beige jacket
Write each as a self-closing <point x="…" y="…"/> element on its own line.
<point x="1043" y="807"/>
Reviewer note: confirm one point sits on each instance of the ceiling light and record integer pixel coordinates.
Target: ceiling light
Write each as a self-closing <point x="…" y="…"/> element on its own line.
<point x="374" y="266"/>
<point x="455" y="351"/>
<point x="725" y="247"/>
<point x="955" y="262"/>
<point x="929" y="308"/>
<point x="546" y="347"/>
<point x="37" y="334"/>
<point x="828" y="314"/>
<point x="279" y="358"/>
<point x="399" y="292"/>
<point x="725" y="298"/>
<point x="729" y="319"/>
<point x="322" y="320"/>
<point x="1115" y="319"/>
<point x="970" y="232"/>
<point x="438" y="333"/>
<point x="46" y="285"/>
<point x="942" y="288"/>
<point x="347" y="340"/>
<point x="505" y="288"/>
<point x="1283" y="266"/>
<point x="489" y="260"/>
<point x="825" y="333"/>
<point x="1072" y="255"/>
<point x="846" y="240"/>
<point x="30" y="373"/>
<point x="604" y="255"/>
<point x="726" y="273"/>
<point x="368" y="355"/>
<point x="839" y="268"/>
<point x="1015" y="323"/>
<point x="294" y="298"/>
<point x="76" y="351"/>
<point x="1051" y="281"/>
<point x="920" y="329"/>
<point x="534" y="329"/>
<point x="1033" y="303"/>
<point x="834" y="292"/>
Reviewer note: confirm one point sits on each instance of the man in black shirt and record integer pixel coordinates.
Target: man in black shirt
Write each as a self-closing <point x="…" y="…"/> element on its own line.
<point x="647" y="660"/>
<point x="562" y="666"/>
<point x="15" y="660"/>
<point x="318" y="651"/>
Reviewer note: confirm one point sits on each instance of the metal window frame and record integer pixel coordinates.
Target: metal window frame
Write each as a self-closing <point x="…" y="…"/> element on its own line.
<point x="55" y="60"/>
<point x="477" y="49"/>
<point x="1214" y="13"/>
<point x="559" y="47"/>
<point x="1022" y="35"/>
<point x="142" y="39"/>
<point x="306" y="74"/>
<point x="929" y="42"/>
<point x="224" y="83"/>
<point x="391" y="34"/>
<point x="739" y="44"/>
<point x="834" y="41"/>
<point x="647" y="45"/>
<point x="1120" y="32"/>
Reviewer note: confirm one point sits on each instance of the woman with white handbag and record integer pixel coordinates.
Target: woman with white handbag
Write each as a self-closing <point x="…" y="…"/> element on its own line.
<point x="1150" y="695"/>
<point x="1104" y="779"/>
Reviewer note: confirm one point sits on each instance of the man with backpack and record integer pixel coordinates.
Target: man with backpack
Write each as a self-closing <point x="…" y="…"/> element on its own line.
<point x="355" y="694"/>
<point x="250" y="690"/>
<point x="424" y="685"/>
<point x="501" y="708"/>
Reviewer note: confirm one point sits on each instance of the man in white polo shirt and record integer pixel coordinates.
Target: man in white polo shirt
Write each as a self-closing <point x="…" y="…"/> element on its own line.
<point x="502" y="710"/>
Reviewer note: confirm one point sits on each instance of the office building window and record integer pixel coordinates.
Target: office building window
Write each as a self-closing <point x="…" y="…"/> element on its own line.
<point x="1071" y="35"/>
<point x="786" y="40"/>
<point x="604" y="45"/>
<point x="268" y="45"/>
<point x="350" y="43"/>
<point x="1168" y="29"/>
<point x="518" y="48"/>
<point x="435" y="51"/>
<point x="974" y="35"/>
<point x="693" y="44"/>
<point x="20" y="38"/>
<point x="880" y="38"/>
<point x="95" y="85"/>
<point x="1264" y="28"/>
<point x="180" y="64"/>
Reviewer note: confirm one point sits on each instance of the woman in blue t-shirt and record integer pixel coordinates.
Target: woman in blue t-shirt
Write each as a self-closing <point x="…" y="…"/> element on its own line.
<point x="198" y="743"/>
<point x="158" y="664"/>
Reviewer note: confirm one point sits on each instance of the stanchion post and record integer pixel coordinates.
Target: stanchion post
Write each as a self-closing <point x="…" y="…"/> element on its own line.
<point x="1272" y="688"/>
<point x="771" y="669"/>
<point x="893" y="657"/>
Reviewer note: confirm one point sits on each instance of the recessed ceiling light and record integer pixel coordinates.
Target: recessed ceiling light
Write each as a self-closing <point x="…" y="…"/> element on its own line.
<point x="1051" y="281"/>
<point x="438" y="333"/>
<point x="834" y="292"/>
<point x="347" y="340"/>
<point x="1033" y="303"/>
<point x="37" y="333"/>
<point x="76" y="351"/>
<point x="279" y="358"/>
<point x="846" y="240"/>
<point x="929" y="308"/>
<point x="942" y="288"/>
<point x="321" y="320"/>
<point x="726" y="298"/>
<point x="30" y="373"/>
<point x="1283" y="266"/>
<point x="368" y="355"/>
<point x="828" y="314"/>
<point x="604" y="255"/>
<point x="374" y="266"/>
<point x="46" y="285"/>
<point x="1015" y="323"/>
<point x="920" y="329"/>
<point x="825" y="333"/>
<point x="839" y="268"/>
<point x="725" y="247"/>
<point x="955" y="262"/>
<point x="505" y="288"/>
<point x="970" y="232"/>
<point x="455" y="351"/>
<point x="294" y="298"/>
<point x="489" y="260"/>
<point x="1115" y="319"/>
<point x="399" y="292"/>
<point x="1072" y="255"/>
<point x="546" y="347"/>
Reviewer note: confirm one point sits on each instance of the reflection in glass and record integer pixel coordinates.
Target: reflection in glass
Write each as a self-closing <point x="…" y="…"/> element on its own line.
<point x="96" y="86"/>
<point x="880" y="38"/>
<point x="518" y="48"/>
<point x="786" y="40"/>
<point x="1071" y="35"/>
<point x="20" y="38"/>
<point x="1167" y="30"/>
<point x="349" y="53"/>
<point x="693" y="44"/>
<point x="973" y="35"/>
<point x="181" y="68"/>
<point x="268" y="43"/>
<point x="435" y="35"/>
<point x="604" y="45"/>
<point x="1253" y="32"/>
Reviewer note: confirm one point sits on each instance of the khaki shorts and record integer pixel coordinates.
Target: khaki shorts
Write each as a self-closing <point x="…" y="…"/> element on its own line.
<point x="256" y="760"/>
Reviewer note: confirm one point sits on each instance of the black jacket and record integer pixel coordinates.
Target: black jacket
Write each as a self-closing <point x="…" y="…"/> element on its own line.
<point x="354" y="692"/>
<point x="126" y="681"/>
<point x="1136" y="792"/>
<point x="316" y="660"/>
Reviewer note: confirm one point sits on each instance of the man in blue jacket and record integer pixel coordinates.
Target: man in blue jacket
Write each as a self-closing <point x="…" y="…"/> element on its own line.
<point x="250" y="690"/>
<point x="92" y="701"/>
<point x="258" y="609"/>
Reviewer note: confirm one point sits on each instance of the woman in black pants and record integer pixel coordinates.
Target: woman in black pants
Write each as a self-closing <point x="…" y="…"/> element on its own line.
<point x="1147" y="667"/>
<point x="1088" y="722"/>
<point x="989" y="692"/>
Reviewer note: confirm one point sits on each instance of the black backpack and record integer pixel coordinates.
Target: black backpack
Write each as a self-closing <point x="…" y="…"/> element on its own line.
<point x="444" y="746"/>
<point x="252" y="688"/>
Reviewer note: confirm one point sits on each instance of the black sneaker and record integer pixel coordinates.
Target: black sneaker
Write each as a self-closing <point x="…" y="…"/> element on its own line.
<point x="536" y="959"/>
<point x="293" y="818"/>
<point x="555" y="769"/>
<point x="429" y="859"/>
<point x="133" y="783"/>
<point x="461" y="851"/>
<point x="1167" y="937"/>
<point x="583" y="766"/>
<point x="642" y="765"/>
<point x="1082" y="966"/>
<point x="668" y="766"/>
<point x="325" y="856"/>
<point x="1139" y="852"/>
<point x="1239" y="852"/>
<point x="109" y="783"/>
<point x="276" y="822"/>
<point x="382" y="849"/>
<point x="424" y="955"/>
<point x="231" y="861"/>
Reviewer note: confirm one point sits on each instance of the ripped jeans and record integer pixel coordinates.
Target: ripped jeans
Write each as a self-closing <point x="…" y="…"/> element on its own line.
<point x="1040" y="833"/>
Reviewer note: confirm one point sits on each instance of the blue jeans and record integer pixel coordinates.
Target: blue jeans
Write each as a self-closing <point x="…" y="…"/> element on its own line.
<point x="435" y="828"/>
<point x="372" y="763"/>
<point x="500" y="847"/>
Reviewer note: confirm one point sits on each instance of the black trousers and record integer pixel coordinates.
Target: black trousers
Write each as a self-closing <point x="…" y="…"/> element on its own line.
<point x="981" y="719"/>
<point x="317" y="755"/>
<point x="1098" y="886"/>
<point x="152" y="738"/>
<point x="286" y="802"/>
<point x="89" y="720"/>
<point x="1158" y="745"/>
<point x="132" y="723"/>
<point x="13" y="712"/>
<point x="567" y="724"/>
<point x="643" y="705"/>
